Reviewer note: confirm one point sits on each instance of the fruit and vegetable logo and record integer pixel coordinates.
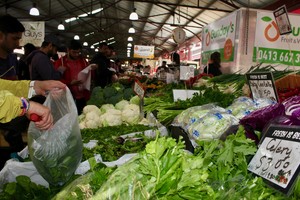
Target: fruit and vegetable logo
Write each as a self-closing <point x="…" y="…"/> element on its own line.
<point x="271" y="32"/>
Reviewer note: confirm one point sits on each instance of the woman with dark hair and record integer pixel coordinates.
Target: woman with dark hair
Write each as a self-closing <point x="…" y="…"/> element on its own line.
<point x="214" y="64"/>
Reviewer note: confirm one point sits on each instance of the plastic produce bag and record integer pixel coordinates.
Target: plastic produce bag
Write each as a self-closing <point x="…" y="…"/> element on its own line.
<point x="192" y="114"/>
<point x="57" y="152"/>
<point x="212" y="126"/>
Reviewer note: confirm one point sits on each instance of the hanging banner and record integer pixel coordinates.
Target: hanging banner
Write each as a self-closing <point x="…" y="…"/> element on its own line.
<point x="34" y="33"/>
<point x="143" y="51"/>
<point x="270" y="46"/>
<point x="220" y="36"/>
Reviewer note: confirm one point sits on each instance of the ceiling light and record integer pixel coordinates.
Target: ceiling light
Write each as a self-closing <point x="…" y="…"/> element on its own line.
<point x="96" y="50"/>
<point x="92" y="47"/>
<point x="34" y="11"/>
<point x="131" y="30"/>
<point x="134" y="15"/>
<point x="129" y="45"/>
<point x="85" y="44"/>
<point x="128" y="48"/>
<point x="130" y="39"/>
<point x="76" y="37"/>
<point x="61" y="26"/>
<point x="128" y="51"/>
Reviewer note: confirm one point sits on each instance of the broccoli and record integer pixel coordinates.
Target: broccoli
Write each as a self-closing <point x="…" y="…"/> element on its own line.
<point x="97" y="97"/>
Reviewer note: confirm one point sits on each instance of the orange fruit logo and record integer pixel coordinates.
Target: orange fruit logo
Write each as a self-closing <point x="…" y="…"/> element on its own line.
<point x="271" y="26"/>
<point x="228" y="49"/>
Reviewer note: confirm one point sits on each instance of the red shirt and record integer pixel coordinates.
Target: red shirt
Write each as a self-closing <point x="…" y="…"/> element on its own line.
<point x="71" y="73"/>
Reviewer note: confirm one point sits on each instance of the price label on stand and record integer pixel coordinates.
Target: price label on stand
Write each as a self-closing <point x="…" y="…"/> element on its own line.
<point x="262" y="85"/>
<point x="139" y="89"/>
<point x="186" y="72"/>
<point x="277" y="159"/>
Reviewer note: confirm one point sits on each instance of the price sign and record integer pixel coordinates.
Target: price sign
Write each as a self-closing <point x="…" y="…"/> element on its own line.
<point x="262" y="85"/>
<point x="186" y="72"/>
<point x="277" y="159"/>
<point x="282" y="20"/>
<point x="139" y="89"/>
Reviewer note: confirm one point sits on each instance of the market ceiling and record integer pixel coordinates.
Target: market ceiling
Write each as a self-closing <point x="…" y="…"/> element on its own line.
<point x="108" y="20"/>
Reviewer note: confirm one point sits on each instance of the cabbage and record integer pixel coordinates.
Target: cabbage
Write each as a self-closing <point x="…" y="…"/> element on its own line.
<point x="292" y="106"/>
<point x="135" y="100"/>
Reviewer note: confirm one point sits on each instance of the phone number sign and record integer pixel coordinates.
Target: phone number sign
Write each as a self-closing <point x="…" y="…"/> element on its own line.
<point x="277" y="159"/>
<point x="262" y="85"/>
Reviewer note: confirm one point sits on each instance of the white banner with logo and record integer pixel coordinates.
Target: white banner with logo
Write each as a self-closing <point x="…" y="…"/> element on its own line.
<point x="270" y="46"/>
<point x="220" y="36"/>
<point x="141" y="51"/>
<point x="34" y="33"/>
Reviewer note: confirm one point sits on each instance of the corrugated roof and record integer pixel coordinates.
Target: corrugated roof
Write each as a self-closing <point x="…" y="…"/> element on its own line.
<point x="157" y="18"/>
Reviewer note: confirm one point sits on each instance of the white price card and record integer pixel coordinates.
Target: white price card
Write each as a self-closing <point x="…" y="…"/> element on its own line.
<point x="277" y="159"/>
<point x="186" y="72"/>
<point x="139" y="89"/>
<point x="184" y="94"/>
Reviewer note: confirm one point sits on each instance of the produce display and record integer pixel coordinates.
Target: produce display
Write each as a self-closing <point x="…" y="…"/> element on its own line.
<point x="162" y="168"/>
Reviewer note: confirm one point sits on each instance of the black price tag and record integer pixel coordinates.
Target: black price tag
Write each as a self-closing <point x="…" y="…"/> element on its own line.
<point x="282" y="20"/>
<point x="277" y="159"/>
<point x="262" y="85"/>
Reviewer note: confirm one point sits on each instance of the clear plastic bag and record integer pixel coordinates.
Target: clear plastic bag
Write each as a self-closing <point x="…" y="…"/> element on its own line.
<point x="57" y="152"/>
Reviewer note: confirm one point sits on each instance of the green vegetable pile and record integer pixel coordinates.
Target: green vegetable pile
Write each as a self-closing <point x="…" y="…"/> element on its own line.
<point x="109" y="137"/>
<point x="110" y="94"/>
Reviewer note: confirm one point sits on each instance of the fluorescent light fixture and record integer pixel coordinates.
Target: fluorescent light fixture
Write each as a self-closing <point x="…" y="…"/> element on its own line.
<point x="70" y="19"/>
<point x="34" y="11"/>
<point x="128" y="54"/>
<point x="111" y="38"/>
<point x="92" y="47"/>
<point x="85" y="44"/>
<point x="61" y="26"/>
<point x="131" y="30"/>
<point x="129" y="45"/>
<point x="91" y="33"/>
<point x="112" y="42"/>
<point x="76" y="37"/>
<point x="134" y="15"/>
<point x="83" y="15"/>
<point x="128" y="48"/>
<point x="130" y="39"/>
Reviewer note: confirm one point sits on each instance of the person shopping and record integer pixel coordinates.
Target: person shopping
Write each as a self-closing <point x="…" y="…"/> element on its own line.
<point x="214" y="65"/>
<point x="14" y="103"/>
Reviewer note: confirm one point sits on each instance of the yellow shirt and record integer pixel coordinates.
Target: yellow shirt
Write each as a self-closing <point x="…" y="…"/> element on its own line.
<point x="10" y="102"/>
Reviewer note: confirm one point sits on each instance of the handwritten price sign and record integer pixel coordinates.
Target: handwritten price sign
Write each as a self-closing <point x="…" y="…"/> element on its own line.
<point x="277" y="159"/>
<point x="262" y="85"/>
<point x="139" y="89"/>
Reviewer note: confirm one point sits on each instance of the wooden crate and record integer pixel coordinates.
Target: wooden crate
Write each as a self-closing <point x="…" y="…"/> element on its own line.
<point x="290" y="81"/>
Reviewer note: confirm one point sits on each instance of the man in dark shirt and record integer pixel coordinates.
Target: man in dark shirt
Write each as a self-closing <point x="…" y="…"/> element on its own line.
<point x="40" y="65"/>
<point x="11" y="31"/>
<point x="103" y="76"/>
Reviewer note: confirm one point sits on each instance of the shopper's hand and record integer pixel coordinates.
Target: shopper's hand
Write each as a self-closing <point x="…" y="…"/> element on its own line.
<point x="42" y="87"/>
<point x="46" y="120"/>
<point x="93" y="66"/>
